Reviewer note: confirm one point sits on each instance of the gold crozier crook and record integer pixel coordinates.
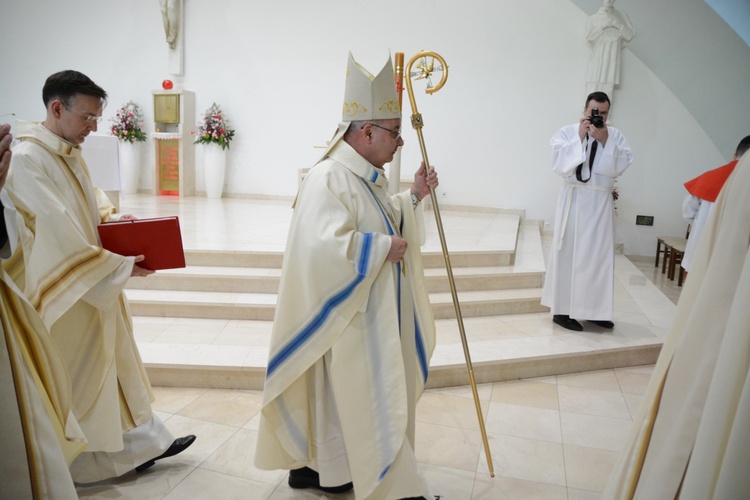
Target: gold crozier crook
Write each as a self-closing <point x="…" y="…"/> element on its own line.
<point x="425" y="70"/>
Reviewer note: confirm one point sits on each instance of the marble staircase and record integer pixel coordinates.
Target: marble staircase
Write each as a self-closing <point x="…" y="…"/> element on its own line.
<point x="208" y="325"/>
<point x="246" y="290"/>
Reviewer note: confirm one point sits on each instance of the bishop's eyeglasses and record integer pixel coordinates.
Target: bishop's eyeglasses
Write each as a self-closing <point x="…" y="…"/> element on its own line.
<point x="394" y="133"/>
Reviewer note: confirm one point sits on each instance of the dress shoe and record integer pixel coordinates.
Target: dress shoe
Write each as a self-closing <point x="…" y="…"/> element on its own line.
<point x="602" y="323"/>
<point x="567" y="322"/>
<point x="178" y="446"/>
<point x="308" y="478"/>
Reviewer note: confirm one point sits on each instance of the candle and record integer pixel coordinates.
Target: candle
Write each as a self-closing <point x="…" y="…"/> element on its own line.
<point x="399" y="75"/>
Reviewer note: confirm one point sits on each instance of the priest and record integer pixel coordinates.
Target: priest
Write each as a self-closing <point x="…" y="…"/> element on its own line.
<point x="39" y="433"/>
<point x="76" y="285"/>
<point x="354" y="330"/>
<point x="690" y="436"/>
<point x="589" y="156"/>
<point x="702" y="193"/>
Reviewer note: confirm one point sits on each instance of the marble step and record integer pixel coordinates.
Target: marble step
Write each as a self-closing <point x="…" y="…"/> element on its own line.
<point x="266" y="280"/>
<point x="261" y="306"/>
<point x="236" y="258"/>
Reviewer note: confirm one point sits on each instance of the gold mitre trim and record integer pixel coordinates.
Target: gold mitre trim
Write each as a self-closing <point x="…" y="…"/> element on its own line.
<point x="368" y="97"/>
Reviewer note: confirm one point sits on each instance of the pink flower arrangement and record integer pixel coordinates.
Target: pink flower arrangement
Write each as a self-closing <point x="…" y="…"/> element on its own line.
<point x="213" y="128"/>
<point x="127" y="124"/>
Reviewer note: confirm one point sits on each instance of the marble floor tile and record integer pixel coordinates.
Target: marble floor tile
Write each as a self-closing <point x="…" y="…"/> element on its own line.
<point x="155" y="483"/>
<point x="604" y="380"/>
<point x="592" y="402"/>
<point x="526" y="459"/>
<point x="225" y="406"/>
<point x="588" y="468"/>
<point x="236" y="456"/>
<point x="174" y="399"/>
<point x="449" y="483"/>
<point x="530" y="392"/>
<point x="632" y="382"/>
<point x="450" y="411"/>
<point x="634" y="403"/>
<point x="524" y="421"/>
<point x="592" y="431"/>
<point x="203" y="484"/>
<point x="577" y="494"/>
<point x="447" y="446"/>
<point x="492" y="488"/>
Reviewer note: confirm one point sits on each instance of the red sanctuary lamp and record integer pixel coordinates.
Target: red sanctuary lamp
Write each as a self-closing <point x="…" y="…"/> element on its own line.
<point x="167" y="85"/>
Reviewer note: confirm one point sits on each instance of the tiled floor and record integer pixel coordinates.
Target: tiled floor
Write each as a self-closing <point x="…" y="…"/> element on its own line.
<point x="551" y="437"/>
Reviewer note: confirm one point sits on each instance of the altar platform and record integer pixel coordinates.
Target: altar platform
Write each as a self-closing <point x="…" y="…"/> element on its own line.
<point x="209" y="325"/>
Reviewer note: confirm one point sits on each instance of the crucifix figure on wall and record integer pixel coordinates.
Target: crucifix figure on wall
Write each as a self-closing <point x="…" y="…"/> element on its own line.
<point x="172" y="17"/>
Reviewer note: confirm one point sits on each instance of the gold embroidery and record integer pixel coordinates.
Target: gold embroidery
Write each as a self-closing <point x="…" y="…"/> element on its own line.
<point x="354" y="108"/>
<point x="390" y="106"/>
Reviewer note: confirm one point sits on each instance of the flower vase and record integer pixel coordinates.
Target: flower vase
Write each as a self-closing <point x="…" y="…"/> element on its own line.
<point x="214" y="166"/>
<point x="130" y="166"/>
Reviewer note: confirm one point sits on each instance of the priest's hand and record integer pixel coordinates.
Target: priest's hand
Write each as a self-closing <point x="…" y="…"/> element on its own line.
<point x="138" y="270"/>
<point x="423" y="183"/>
<point x="5" y="140"/>
<point x="398" y="249"/>
<point x="128" y="217"/>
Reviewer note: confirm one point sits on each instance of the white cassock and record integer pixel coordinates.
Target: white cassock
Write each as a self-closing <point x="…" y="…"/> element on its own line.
<point x="352" y="336"/>
<point x="696" y="212"/>
<point x="580" y="273"/>
<point x="39" y="434"/>
<point x="691" y="436"/>
<point x="76" y="286"/>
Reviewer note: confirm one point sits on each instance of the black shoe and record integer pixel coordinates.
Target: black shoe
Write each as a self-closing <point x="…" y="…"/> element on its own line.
<point x="566" y="322"/>
<point x="602" y="323"/>
<point x="308" y="478"/>
<point x="178" y="446"/>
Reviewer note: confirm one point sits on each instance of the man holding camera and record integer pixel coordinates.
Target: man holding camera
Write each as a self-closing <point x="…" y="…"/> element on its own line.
<point x="590" y="156"/>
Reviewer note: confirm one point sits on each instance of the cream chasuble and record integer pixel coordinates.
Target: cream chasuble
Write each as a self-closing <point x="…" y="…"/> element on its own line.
<point x="352" y="336"/>
<point x="39" y="434"/>
<point x="691" y="437"/>
<point x="76" y="286"/>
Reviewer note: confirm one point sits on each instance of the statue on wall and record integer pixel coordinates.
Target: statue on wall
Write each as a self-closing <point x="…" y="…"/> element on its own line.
<point x="170" y="18"/>
<point x="608" y="30"/>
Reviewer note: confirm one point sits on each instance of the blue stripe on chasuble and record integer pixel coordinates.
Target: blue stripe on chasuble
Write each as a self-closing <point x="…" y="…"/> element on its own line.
<point x="421" y="354"/>
<point x="385" y="471"/>
<point x="328" y="307"/>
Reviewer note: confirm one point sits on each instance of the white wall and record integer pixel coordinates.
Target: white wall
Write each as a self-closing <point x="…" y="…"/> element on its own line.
<point x="517" y="72"/>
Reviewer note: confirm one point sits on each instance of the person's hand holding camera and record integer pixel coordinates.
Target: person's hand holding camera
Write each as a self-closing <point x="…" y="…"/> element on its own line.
<point x="600" y="134"/>
<point x="594" y="126"/>
<point x="583" y="128"/>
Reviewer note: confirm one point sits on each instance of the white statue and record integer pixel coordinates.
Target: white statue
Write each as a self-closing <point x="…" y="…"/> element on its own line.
<point x="170" y="18"/>
<point x="608" y="30"/>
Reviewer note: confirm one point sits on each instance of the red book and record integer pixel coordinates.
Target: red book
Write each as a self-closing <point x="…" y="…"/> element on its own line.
<point x="158" y="239"/>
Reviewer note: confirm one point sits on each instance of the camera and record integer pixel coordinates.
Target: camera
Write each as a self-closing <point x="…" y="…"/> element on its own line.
<point x="595" y="119"/>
